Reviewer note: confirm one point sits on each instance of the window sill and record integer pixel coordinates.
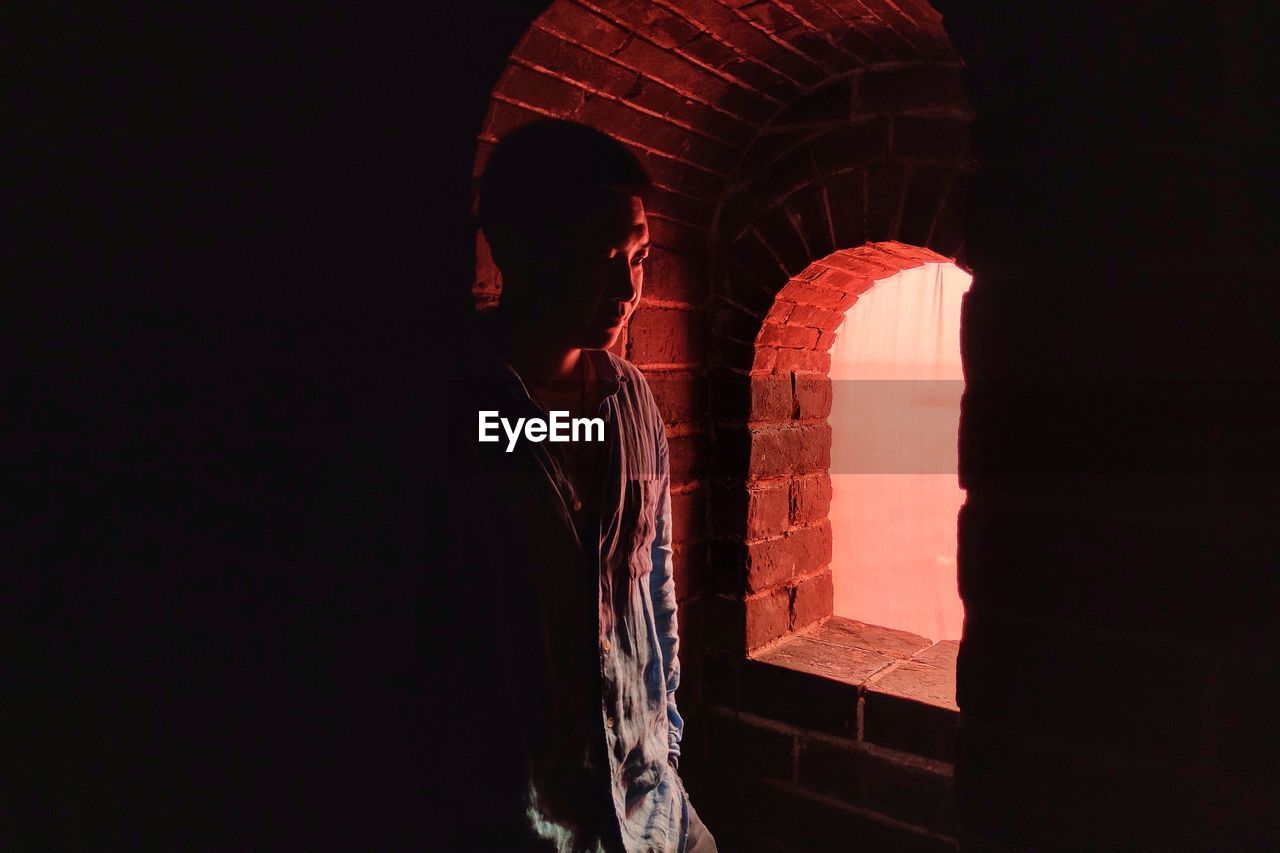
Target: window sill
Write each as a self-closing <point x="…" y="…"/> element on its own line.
<point x="903" y="685"/>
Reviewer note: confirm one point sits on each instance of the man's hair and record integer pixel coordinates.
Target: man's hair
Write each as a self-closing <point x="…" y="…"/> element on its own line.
<point x="546" y="174"/>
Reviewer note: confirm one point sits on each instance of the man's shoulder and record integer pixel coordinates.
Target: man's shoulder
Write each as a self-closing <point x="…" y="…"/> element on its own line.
<point x="623" y="367"/>
<point x="633" y="375"/>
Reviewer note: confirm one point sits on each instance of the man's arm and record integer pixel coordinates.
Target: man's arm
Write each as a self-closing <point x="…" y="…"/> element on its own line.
<point x="663" y="590"/>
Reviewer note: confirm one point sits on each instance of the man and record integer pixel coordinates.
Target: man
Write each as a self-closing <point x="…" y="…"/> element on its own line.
<point x="566" y="544"/>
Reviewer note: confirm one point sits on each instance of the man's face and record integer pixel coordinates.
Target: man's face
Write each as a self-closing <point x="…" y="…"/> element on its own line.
<point x="598" y="275"/>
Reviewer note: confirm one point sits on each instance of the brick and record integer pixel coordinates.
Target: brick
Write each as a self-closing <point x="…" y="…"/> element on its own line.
<point x="814" y="599"/>
<point x="677" y="236"/>
<point x="692" y="180"/>
<point x="921" y="793"/>
<point x="812" y="295"/>
<point x="770" y="146"/>
<point x="853" y="634"/>
<point x="779" y="233"/>
<point x="912" y="88"/>
<point x="805" y="653"/>
<point x="750" y="513"/>
<point x="724" y="630"/>
<point x="803" y="361"/>
<point x="764" y="359"/>
<point x="767" y="617"/>
<point x="665" y="336"/>
<point x="772" y="334"/>
<point x="769" y="562"/>
<point x="789" y="450"/>
<point x="863" y="46"/>
<point x="755" y="398"/>
<point x="686" y="455"/>
<point x="751" y="254"/>
<point x="944" y="141"/>
<point x="740" y="745"/>
<point x="832" y="768"/>
<point x="807" y="209"/>
<point x="817" y="47"/>
<point x="689" y="567"/>
<point x="584" y="27"/>
<point x="885" y="187"/>
<point x="780" y="311"/>
<point x="681" y="397"/>
<point x="536" y="89"/>
<point x="688" y="515"/>
<point x="728" y="572"/>
<point x="905" y="788"/>
<point x="810" y="498"/>
<point x="550" y="50"/>
<point x="673" y="70"/>
<point x="941" y="654"/>
<point x="818" y="318"/>
<point x="757" y="77"/>
<point x="812" y="396"/>
<point x="620" y="120"/>
<point x="774" y="182"/>
<point x="735" y="323"/>
<point x="651" y="21"/>
<point x="831" y="102"/>
<point x="736" y="213"/>
<point x="673" y="205"/>
<point x="798" y="698"/>
<point x="750" y="106"/>
<point x="774" y="561"/>
<point x="728" y="354"/>
<point x="851" y="146"/>
<point x="930" y="685"/>
<point x="909" y="725"/>
<point x="504" y="118"/>
<point x="820" y="824"/>
<point x="767" y="510"/>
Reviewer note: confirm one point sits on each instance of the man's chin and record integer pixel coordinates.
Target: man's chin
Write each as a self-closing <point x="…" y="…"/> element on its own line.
<point x="601" y="337"/>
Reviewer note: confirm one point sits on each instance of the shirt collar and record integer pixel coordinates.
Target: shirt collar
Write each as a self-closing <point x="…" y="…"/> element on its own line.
<point x="604" y="362"/>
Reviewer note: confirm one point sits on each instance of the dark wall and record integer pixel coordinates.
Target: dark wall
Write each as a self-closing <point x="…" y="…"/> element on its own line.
<point x="1117" y="432"/>
<point x="236" y="237"/>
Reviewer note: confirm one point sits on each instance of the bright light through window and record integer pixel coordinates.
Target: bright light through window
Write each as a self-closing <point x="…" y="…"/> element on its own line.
<point x="896" y="385"/>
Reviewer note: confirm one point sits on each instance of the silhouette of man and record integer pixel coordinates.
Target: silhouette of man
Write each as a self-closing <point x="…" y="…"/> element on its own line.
<point x="566" y="688"/>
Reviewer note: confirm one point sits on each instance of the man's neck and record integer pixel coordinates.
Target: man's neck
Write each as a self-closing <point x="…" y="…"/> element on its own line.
<point x="536" y="359"/>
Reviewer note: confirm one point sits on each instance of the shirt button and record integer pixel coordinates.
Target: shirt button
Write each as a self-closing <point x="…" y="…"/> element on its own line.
<point x="577" y="504"/>
<point x="609" y="722"/>
<point x="606" y="645"/>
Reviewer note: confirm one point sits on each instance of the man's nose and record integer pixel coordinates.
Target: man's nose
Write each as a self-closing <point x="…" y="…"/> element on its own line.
<point x="622" y="285"/>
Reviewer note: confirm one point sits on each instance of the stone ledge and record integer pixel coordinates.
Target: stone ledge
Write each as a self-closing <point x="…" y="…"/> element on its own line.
<point x="904" y="684"/>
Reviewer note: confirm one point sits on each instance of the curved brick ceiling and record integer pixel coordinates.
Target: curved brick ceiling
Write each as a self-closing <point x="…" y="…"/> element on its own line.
<point x="690" y="83"/>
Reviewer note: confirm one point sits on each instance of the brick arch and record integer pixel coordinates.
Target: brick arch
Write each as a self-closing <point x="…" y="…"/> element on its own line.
<point x="772" y="549"/>
<point x="689" y="85"/>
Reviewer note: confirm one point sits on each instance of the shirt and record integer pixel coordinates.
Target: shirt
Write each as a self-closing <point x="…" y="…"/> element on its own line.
<point x="585" y="633"/>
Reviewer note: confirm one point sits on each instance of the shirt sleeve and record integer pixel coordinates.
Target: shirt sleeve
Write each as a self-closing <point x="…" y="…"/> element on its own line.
<point x="663" y="591"/>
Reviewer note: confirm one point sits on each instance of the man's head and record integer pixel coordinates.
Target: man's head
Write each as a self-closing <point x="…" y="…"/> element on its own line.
<point x="562" y="207"/>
